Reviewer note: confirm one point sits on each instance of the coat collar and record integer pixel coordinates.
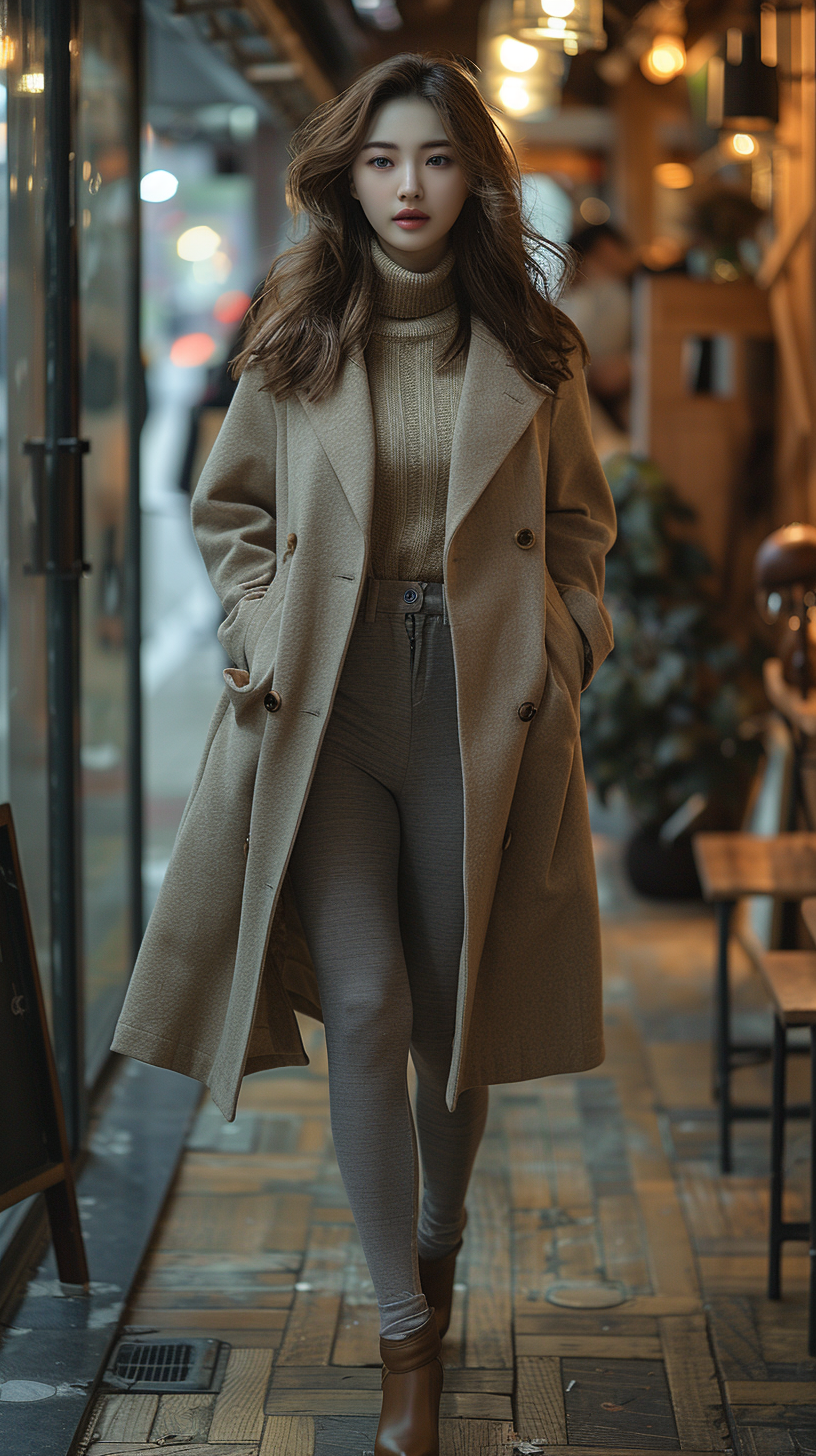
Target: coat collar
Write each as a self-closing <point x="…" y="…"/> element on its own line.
<point x="496" y="406"/>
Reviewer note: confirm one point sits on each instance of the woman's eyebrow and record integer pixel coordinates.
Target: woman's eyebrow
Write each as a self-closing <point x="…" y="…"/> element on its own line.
<point x="392" y="146"/>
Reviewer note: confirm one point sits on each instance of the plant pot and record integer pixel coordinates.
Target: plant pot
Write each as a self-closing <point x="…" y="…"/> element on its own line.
<point x="662" y="871"/>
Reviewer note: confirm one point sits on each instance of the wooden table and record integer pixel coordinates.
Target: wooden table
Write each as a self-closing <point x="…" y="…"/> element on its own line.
<point x="731" y="867"/>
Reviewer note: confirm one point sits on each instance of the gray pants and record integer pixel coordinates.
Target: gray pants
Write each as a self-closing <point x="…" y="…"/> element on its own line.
<point x="377" y="876"/>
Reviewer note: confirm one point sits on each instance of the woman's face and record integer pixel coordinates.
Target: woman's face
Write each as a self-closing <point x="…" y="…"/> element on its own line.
<point x="408" y="182"/>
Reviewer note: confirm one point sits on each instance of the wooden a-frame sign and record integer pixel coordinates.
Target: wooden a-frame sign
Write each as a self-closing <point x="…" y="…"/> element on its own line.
<point x="34" y="1153"/>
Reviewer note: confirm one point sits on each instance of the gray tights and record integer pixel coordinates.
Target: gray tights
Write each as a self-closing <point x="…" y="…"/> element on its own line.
<point x="377" y="877"/>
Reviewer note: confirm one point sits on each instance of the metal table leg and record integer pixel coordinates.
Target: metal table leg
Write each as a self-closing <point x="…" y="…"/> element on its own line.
<point x="779" y="1078"/>
<point x="812" y="1241"/>
<point x="722" y="1019"/>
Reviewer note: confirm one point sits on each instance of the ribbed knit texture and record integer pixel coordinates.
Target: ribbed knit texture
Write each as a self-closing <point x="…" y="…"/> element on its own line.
<point x="414" y="405"/>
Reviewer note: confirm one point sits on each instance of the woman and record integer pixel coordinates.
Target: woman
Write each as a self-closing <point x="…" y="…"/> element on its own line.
<point x="406" y="523"/>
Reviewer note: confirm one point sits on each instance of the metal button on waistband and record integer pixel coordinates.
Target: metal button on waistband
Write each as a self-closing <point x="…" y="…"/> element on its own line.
<point x="272" y="701"/>
<point x="410" y="596"/>
<point x="526" y="712"/>
<point x="246" y="846"/>
<point x="525" y="538"/>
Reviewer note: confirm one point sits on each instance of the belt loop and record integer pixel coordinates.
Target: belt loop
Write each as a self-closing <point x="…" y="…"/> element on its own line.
<point x="445" y="622"/>
<point x="371" y="599"/>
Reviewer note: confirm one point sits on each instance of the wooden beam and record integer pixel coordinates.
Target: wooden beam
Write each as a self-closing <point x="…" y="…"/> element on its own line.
<point x="269" y="18"/>
<point x="789" y="352"/>
<point x="782" y="246"/>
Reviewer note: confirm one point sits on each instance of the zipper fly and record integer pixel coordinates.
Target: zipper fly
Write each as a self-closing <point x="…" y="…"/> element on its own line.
<point x="411" y="617"/>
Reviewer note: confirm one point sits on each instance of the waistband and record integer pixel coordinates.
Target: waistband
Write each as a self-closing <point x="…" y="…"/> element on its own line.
<point x="404" y="596"/>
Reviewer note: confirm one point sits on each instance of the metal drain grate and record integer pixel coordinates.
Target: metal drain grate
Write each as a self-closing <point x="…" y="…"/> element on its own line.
<point x="163" y="1365"/>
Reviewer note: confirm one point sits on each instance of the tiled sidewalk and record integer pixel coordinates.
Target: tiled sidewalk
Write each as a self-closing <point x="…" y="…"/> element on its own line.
<point x="611" y="1292"/>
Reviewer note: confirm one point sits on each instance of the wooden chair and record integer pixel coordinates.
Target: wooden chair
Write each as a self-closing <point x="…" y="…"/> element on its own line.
<point x="731" y="867"/>
<point x="790" y="978"/>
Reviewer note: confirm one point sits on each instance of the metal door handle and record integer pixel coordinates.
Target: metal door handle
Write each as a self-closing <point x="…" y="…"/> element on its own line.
<point x="57" y="535"/>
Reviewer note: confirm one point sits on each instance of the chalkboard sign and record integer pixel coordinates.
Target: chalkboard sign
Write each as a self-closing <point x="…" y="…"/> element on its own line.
<point x="34" y="1155"/>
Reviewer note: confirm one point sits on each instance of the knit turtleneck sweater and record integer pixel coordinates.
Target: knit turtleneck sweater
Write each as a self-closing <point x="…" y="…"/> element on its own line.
<point x="414" y="405"/>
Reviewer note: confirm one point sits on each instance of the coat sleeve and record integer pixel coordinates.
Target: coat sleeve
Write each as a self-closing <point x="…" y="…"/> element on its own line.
<point x="233" y="509"/>
<point x="580" y="526"/>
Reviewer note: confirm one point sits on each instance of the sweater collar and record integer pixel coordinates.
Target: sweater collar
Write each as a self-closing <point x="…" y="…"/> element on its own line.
<point x="403" y="293"/>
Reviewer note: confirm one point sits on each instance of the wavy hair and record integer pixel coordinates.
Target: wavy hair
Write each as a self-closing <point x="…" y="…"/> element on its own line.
<point x="318" y="302"/>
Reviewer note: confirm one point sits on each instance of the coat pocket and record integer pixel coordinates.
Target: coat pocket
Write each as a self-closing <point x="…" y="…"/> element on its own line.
<point x="565" y="643"/>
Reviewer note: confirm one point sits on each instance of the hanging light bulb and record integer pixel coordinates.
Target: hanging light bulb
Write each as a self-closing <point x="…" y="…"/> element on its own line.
<point x="516" y="56"/>
<point x="744" y="144"/>
<point x="571" y="25"/>
<point x="665" y="59"/>
<point x="514" y="95"/>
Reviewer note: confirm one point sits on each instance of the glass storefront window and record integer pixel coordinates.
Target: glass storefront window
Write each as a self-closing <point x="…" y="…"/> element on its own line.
<point x="107" y="218"/>
<point x="24" y="723"/>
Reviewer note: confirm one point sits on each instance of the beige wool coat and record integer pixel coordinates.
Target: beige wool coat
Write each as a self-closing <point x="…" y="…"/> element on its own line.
<point x="281" y="515"/>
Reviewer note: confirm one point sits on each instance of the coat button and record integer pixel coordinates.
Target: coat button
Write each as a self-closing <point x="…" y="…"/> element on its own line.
<point x="525" y="538"/>
<point x="526" y="712"/>
<point x="272" y="701"/>
<point x="411" y="595"/>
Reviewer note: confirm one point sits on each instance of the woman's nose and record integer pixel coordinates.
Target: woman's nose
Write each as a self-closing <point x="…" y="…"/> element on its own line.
<point x="409" y="184"/>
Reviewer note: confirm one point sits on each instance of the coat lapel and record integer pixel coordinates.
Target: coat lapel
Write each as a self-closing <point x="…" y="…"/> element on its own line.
<point x="496" y="407"/>
<point x="344" y="425"/>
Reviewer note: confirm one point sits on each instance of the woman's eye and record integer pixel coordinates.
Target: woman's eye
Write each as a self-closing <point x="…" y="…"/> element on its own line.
<point x="375" y="162"/>
<point x="444" y="160"/>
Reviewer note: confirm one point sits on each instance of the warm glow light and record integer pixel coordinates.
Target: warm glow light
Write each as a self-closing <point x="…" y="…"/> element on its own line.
<point x="191" y="350"/>
<point x="231" y="306"/>
<point x="514" y="94"/>
<point x="198" y="243"/>
<point x="743" y="144"/>
<point x="594" y="211"/>
<point x="158" y="186"/>
<point x="674" y="175"/>
<point x="556" y="24"/>
<point x="560" y="8"/>
<point x="8" y="50"/>
<point x="31" y="83"/>
<point x="516" y="56"/>
<point x="665" y="59"/>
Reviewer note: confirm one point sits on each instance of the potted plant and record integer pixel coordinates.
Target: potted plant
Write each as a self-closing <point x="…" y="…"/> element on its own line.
<point x="668" y="715"/>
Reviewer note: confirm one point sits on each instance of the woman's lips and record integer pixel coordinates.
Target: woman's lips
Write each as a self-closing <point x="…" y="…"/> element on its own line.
<point x="411" y="221"/>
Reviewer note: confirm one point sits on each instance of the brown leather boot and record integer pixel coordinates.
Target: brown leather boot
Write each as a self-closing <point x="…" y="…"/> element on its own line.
<point x="437" y="1277"/>
<point x="411" y="1390"/>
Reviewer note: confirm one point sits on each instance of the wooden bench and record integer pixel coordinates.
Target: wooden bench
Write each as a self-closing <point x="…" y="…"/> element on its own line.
<point x="790" y="978"/>
<point x="733" y="866"/>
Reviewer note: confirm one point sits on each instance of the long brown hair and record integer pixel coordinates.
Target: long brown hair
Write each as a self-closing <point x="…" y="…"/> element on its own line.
<point x="318" y="302"/>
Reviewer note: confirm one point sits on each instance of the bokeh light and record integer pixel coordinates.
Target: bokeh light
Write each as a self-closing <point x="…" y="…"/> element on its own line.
<point x="594" y="211"/>
<point x="158" y="186"/>
<point x="198" y="243"/>
<point x="191" y="350"/>
<point x="674" y="175"/>
<point x="516" y="56"/>
<point x="231" y="306"/>
<point x="664" y="60"/>
<point x="514" y="94"/>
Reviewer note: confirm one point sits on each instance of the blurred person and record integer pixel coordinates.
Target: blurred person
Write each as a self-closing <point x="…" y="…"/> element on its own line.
<point x="406" y="522"/>
<point x="600" y="305"/>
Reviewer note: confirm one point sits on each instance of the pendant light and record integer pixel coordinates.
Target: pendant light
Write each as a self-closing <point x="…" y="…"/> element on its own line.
<point x="572" y="25"/>
<point x="742" y="89"/>
<point x="522" y="78"/>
